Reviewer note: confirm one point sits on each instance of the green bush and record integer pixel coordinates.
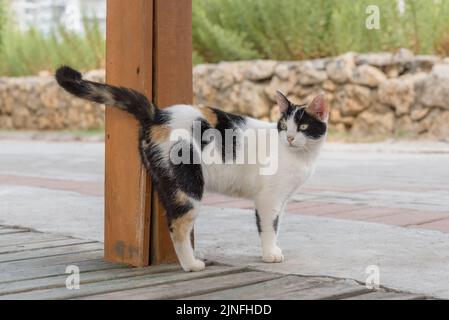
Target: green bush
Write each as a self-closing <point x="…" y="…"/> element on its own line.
<point x="250" y="29"/>
<point x="303" y="29"/>
<point x="25" y="53"/>
<point x="2" y="21"/>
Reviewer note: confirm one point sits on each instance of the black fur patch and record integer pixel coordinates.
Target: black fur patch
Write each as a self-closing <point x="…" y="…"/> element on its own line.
<point x="162" y="116"/>
<point x="291" y="108"/>
<point x="315" y="128"/>
<point x="200" y="140"/>
<point x="284" y="116"/>
<point x="188" y="176"/>
<point x="276" y="224"/>
<point x="258" y="223"/>
<point x="133" y="102"/>
<point x="228" y="121"/>
<point x="66" y="73"/>
<point x="167" y="194"/>
<point x="168" y="183"/>
<point x="281" y="120"/>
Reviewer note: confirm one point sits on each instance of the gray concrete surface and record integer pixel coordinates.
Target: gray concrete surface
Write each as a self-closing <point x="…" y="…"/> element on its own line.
<point x="408" y="259"/>
<point x="408" y="175"/>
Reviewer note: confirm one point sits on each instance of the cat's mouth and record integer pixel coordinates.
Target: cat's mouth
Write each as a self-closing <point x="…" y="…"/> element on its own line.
<point x="292" y="144"/>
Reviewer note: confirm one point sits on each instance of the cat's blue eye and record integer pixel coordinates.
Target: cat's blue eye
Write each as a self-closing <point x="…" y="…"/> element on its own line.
<point x="283" y="126"/>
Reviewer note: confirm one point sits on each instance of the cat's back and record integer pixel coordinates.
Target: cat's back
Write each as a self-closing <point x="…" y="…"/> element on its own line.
<point x="182" y="116"/>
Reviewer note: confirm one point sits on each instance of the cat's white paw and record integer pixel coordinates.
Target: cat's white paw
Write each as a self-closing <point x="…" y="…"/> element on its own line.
<point x="273" y="256"/>
<point x="197" y="265"/>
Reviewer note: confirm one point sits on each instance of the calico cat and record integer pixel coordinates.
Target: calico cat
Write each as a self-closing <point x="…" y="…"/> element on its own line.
<point x="299" y="136"/>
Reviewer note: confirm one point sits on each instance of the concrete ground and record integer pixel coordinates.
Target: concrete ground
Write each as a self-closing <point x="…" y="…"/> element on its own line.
<point x="383" y="205"/>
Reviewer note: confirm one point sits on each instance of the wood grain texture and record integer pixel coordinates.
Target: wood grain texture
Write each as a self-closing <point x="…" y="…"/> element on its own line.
<point x="329" y="290"/>
<point x="87" y="277"/>
<point x="129" y="46"/>
<point x="27" y="238"/>
<point x="48" y="252"/>
<point x="172" y="85"/>
<point x="116" y="285"/>
<point x="272" y="289"/>
<point x="30" y="272"/>
<point x="196" y="285"/>
<point x="15" y="248"/>
<point x="57" y="260"/>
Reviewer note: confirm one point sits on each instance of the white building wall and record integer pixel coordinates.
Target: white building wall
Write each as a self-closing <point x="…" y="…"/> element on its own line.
<point x="45" y="15"/>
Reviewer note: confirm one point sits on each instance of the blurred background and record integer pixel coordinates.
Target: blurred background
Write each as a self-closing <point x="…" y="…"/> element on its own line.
<point x="384" y="81"/>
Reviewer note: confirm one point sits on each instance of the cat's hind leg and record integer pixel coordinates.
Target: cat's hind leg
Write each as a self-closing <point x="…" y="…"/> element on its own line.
<point x="181" y="212"/>
<point x="181" y="228"/>
<point x="181" y="189"/>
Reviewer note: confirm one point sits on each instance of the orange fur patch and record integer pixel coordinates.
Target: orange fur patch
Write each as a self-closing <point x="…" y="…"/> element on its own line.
<point x="182" y="226"/>
<point x="209" y="115"/>
<point x="181" y="197"/>
<point x="159" y="133"/>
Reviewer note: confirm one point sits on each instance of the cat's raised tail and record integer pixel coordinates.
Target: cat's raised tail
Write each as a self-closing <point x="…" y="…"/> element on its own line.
<point x="123" y="98"/>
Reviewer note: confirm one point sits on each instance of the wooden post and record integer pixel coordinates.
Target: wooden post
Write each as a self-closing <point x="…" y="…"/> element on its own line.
<point x="129" y="56"/>
<point x="148" y="49"/>
<point x="172" y="85"/>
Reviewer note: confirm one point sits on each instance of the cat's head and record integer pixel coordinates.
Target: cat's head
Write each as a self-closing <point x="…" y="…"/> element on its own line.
<point x="302" y="124"/>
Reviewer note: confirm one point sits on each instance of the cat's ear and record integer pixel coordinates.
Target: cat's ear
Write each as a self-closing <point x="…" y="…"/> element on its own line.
<point x="319" y="108"/>
<point x="282" y="102"/>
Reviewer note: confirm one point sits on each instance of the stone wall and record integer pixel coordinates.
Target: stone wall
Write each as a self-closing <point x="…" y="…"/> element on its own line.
<point x="38" y="103"/>
<point x="379" y="94"/>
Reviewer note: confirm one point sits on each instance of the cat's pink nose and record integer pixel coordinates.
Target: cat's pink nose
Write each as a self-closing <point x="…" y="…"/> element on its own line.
<point x="290" y="139"/>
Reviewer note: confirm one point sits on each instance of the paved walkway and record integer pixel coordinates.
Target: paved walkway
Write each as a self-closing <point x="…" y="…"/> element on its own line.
<point x="404" y="185"/>
<point x="385" y="205"/>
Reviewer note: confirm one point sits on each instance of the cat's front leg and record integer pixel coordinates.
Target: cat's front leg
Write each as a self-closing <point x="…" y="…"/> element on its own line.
<point x="268" y="217"/>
